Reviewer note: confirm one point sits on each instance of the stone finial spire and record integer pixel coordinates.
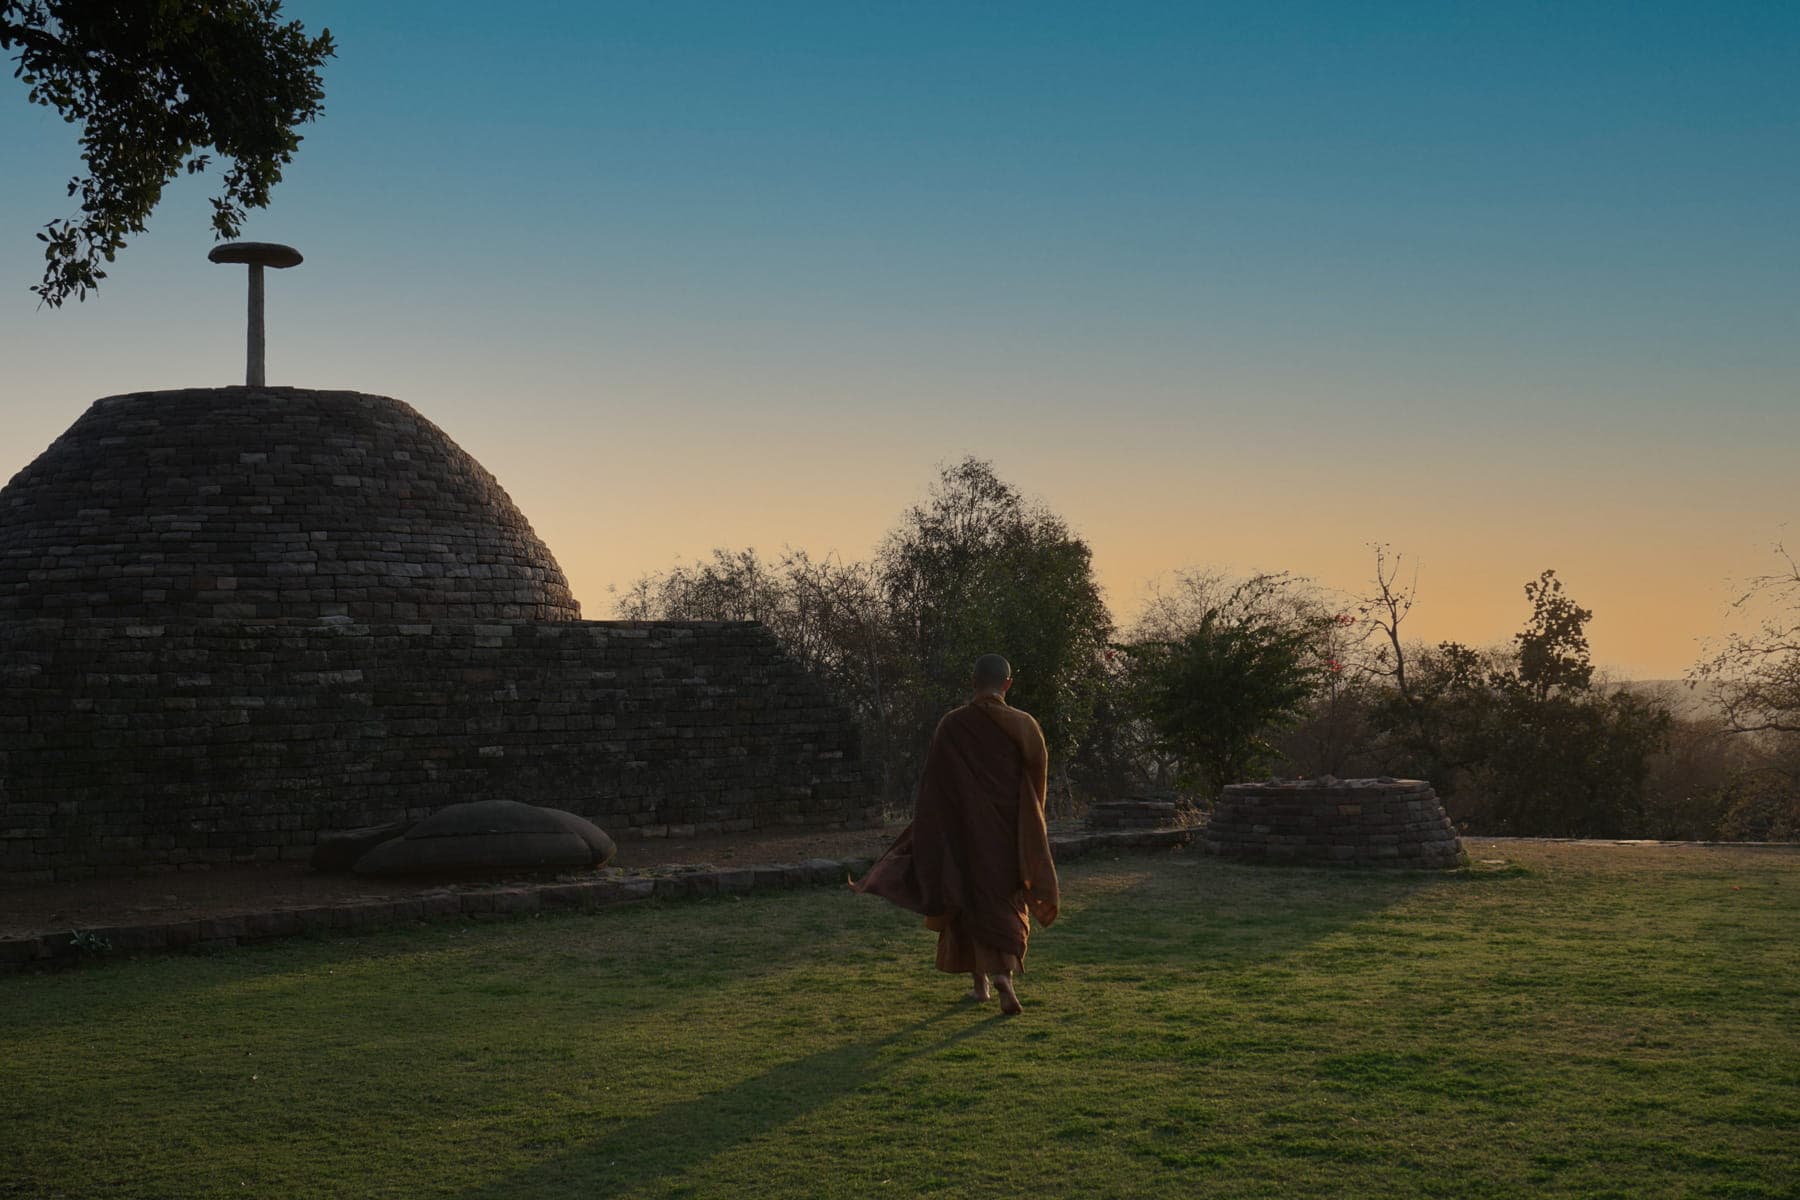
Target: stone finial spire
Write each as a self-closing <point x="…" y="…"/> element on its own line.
<point x="256" y="255"/>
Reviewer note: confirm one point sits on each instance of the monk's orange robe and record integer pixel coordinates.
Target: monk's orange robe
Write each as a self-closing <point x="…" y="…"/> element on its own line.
<point x="975" y="862"/>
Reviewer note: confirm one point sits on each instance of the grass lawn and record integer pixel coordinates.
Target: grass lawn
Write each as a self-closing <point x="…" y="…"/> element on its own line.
<point x="1581" y="1021"/>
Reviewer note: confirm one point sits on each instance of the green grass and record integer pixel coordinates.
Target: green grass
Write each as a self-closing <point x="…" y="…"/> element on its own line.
<point x="1583" y="1021"/>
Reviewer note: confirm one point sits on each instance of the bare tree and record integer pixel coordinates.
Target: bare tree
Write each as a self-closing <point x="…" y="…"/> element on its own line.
<point x="1385" y="610"/>
<point x="846" y="599"/>
<point x="1755" y="676"/>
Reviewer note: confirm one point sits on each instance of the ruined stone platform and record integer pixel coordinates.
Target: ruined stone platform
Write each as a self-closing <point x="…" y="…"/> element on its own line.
<point x="233" y="620"/>
<point x="1133" y="812"/>
<point x="1353" y="822"/>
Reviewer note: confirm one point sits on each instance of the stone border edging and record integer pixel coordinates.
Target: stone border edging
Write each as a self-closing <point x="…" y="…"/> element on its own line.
<point x="361" y="916"/>
<point x="1635" y="842"/>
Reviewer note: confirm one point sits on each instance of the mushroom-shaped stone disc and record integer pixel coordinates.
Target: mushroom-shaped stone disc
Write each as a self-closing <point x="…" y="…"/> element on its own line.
<point x="256" y="254"/>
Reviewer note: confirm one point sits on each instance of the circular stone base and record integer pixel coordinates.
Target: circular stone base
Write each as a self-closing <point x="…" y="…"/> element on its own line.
<point x="1355" y="822"/>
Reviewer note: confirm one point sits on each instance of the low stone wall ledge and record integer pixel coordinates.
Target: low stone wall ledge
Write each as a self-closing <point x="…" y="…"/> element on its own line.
<point x="104" y="943"/>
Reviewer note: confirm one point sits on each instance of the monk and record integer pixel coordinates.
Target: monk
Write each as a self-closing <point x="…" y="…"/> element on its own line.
<point x="975" y="862"/>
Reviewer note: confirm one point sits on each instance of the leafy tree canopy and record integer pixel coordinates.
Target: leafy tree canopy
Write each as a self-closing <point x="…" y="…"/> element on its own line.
<point x="978" y="569"/>
<point x="1553" y="646"/>
<point x="1524" y="733"/>
<point x="155" y="84"/>
<point x="975" y="569"/>
<point x="1217" y="681"/>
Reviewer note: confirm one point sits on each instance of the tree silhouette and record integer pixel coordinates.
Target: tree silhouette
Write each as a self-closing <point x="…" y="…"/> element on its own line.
<point x="155" y="86"/>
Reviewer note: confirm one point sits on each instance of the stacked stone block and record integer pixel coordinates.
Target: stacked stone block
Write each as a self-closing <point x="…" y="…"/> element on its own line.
<point x="127" y="747"/>
<point x="1136" y="812"/>
<point x="1362" y="822"/>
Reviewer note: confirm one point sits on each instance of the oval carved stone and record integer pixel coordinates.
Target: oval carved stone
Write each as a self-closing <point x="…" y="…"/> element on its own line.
<point x="491" y="835"/>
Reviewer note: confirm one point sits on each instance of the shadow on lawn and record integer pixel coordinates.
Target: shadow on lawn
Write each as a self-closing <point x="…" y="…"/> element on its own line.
<point x="661" y="1145"/>
<point x="1215" y="914"/>
<point x="1139" y="921"/>
<point x="609" y="949"/>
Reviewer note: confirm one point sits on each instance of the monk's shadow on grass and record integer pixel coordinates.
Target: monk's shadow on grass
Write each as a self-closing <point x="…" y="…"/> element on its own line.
<point x="662" y="1145"/>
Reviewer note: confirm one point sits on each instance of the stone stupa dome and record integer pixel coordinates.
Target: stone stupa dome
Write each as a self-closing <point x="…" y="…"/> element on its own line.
<point x="267" y="504"/>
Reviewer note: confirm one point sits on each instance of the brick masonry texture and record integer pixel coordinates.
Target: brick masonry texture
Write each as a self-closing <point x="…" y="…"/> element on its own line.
<point x="267" y="504"/>
<point x="1135" y="812"/>
<point x="1358" y="822"/>
<point x="232" y="619"/>
<point x="128" y="747"/>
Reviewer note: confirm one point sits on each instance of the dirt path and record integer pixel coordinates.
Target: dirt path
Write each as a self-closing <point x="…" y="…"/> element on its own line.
<point x="199" y="895"/>
<point x="192" y="895"/>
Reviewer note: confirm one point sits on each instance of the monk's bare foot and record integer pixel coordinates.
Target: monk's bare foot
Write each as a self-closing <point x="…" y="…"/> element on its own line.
<point x="979" y="993"/>
<point x="1009" y="999"/>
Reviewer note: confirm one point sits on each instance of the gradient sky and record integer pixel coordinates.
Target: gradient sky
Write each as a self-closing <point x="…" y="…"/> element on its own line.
<point x="1508" y="286"/>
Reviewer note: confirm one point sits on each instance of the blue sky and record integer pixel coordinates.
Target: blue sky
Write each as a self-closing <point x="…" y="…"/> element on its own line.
<point x="1248" y="285"/>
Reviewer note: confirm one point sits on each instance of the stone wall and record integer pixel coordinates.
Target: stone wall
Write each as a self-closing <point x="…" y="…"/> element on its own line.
<point x="1363" y="822"/>
<point x="129" y="747"/>
<point x="1132" y="812"/>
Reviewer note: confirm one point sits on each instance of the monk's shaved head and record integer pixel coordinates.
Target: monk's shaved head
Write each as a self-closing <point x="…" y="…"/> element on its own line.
<point x="991" y="671"/>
